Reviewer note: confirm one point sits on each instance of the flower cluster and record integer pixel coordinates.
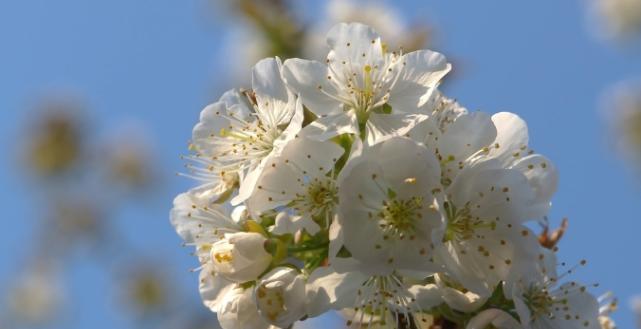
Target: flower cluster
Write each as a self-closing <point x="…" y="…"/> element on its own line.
<point x="355" y="185"/>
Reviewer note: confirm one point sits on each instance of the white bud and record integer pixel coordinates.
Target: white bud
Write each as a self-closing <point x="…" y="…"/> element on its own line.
<point x="238" y="311"/>
<point x="280" y="296"/>
<point x="240" y="257"/>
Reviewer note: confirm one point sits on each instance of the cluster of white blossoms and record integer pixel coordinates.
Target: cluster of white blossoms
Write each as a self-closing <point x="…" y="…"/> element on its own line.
<point x="354" y="185"/>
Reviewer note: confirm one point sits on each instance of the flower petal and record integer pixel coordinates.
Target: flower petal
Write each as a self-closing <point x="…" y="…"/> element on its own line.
<point x="305" y="77"/>
<point x="421" y="74"/>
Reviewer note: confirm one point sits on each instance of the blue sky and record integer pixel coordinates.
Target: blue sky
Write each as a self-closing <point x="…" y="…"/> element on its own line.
<point x="158" y="62"/>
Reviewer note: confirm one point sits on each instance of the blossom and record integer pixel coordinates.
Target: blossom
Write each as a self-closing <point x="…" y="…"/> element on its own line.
<point x="360" y="77"/>
<point x="240" y="257"/>
<point x="201" y="224"/>
<point x="301" y="178"/>
<point x="239" y="311"/>
<point x="541" y="301"/>
<point x="483" y="237"/>
<point x="238" y="134"/>
<point x="280" y="296"/>
<point x="387" y="207"/>
<point x="384" y="300"/>
<point x="390" y="202"/>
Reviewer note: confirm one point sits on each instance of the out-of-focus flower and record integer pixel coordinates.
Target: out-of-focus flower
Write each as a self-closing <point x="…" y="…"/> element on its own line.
<point x="146" y="289"/>
<point x="267" y="28"/>
<point x="55" y="144"/>
<point x="635" y="305"/>
<point x="622" y="109"/>
<point x="37" y="296"/>
<point x="382" y="17"/>
<point x="617" y="19"/>
<point x="74" y="219"/>
<point x="128" y="161"/>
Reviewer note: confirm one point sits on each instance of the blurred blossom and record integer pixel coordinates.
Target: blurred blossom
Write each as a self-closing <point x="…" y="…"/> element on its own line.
<point x="36" y="297"/>
<point x="635" y="305"/>
<point x="622" y="107"/>
<point x="146" y="289"/>
<point x="384" y="18"/>
<point x="267" y="28"/>
<point x="129" y="161"/>
<point x="617" y="19"/>
<point x="73" y="219"/>
<point x="54" y="143"/>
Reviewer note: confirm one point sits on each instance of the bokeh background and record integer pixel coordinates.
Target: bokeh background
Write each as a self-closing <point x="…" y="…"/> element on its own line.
<point x="98" y="99"/>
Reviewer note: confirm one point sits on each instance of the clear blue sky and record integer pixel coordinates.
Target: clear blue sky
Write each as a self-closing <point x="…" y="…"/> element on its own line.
<point x="156" y="61"/>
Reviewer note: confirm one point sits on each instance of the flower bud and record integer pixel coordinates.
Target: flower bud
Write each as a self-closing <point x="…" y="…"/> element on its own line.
<point x="240" y="257"/>
<point x="238" y="311"/>
<point x="280" y="297"/>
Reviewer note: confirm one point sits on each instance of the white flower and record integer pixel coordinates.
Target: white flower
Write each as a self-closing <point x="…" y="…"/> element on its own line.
<point x="280" y="296"/>
<point x="240" y="257"/>
<point x="238" y="310"/>
<point x="302" y="179"/>
<point x="387" y="207"/>
<point x="201" y="225"/>
<point x="493" y="318"/>
<point x="381" y="299"/>
<point x="237" y="135"/>
<point x="542" y="304"/>
<point x="359" y="77"/>
<point x="484" y="240"/>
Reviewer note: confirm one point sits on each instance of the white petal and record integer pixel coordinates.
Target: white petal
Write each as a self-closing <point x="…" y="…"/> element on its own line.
<point x="491" y="193"/>
<point x="466" y="136"/>
<point x="426" y="296"/>
<point x="212" y="121"/>
<point x="275" y="101"/>
<point x="287" y="224"/>
<point x="237" y="104"/>
<point x="197" y="221"/>
<point x="310" y="157"/>
<point x="543" y="178"/>
<point x="332" y="125"/>
<point x="327" y="289"/>
<point x="356" y="44"/>
<point x="465" y="302"/>
<point x="427" y="133"/>
<point x="495" y="318"/>
<point x="511" y="139"/>
<point x="304" y="77"/>
<point x="213" y="288"/>
<point x="421" y="73"/>
<point x="381" y="126"/>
